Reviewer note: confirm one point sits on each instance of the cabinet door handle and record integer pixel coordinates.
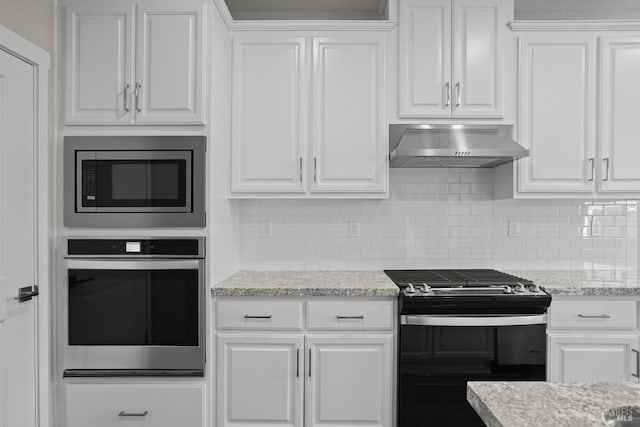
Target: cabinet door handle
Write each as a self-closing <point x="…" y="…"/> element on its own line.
<point x="594" y="316"/>
<point x="457" y="94"/>
<point x="315" y="170"/>
<point x="133" y="414"/>
<point x="126" y="97"/>
<point x="309" y="363"/>
<point x="300" y="169"/>
<point x="137" y="95"/>
<point x="637" y="374"/>
<point x="592" y="164"/>
<point x="447" y="87"/>
<point x="297" y="362"/>
<point x="606" y="169"/>
<point x="249" y="316"/>
<point x="350" y="317"/>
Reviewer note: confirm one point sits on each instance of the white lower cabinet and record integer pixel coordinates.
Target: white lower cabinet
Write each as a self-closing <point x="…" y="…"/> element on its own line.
<point x="259" y="380"/>
<point x="585" y="358"/>
<point x="124" y="405"/>
<point x="348" y="380"/>
<point x="306" y="376"/>
<point x="593" y="339"/>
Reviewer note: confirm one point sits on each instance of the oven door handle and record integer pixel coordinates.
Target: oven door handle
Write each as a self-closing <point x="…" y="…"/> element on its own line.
<point x="446" y="320"/>
<point x="134" y="264"/>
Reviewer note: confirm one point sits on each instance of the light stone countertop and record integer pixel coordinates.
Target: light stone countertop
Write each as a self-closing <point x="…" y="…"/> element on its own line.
<point x="587" y="282"/>
<point x="307" y="283"/>
<point x="543" y="404"/>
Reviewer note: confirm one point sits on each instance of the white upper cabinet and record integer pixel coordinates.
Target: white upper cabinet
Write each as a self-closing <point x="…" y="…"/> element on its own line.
<point x="619" y="123"/>
<point x="132" y="63"/>
<point x="557" y="111"/>
<point x="169" y="68"/>
<point x="348" y="121"/>
<point x="451" y="58"/>
<point x="579" y="95"/>
<point x="269" y="107"/>
<point x="100" y="69"/>
<point x="308" y="114"/>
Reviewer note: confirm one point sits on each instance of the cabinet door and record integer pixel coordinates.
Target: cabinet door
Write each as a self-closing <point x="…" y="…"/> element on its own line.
<point x="170" y="58"/>
<point x="149" y="405"/>
<point x="268" y="112"/>
<point x="349" y="139"/>
<point x="259" y="380"/>
<point x="620" y="92"/>
<point x="349" y="380"/>
<point x="424" y="32"/>
<point x="591" y="358"/>
<point x="478" y="27"/>
<point x="99" y="64"/>
<point x="557" y="113"/>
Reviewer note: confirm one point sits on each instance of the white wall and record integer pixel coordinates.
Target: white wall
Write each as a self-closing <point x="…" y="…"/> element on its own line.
<point x="577" y="9"/>
<point x="32" y="19"/>
<point x="438" y="218"/>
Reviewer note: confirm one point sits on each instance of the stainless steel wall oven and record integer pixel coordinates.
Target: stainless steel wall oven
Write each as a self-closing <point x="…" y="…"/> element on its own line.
<point x="134" y="181"/>
<point x="133" y="307"/>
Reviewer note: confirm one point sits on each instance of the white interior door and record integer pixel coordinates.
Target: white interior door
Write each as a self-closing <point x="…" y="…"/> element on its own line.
<point x="18" y="320"/>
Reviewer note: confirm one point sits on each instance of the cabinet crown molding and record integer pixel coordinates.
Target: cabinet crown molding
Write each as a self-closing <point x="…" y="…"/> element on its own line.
<point x="275" y="25"/>
<point x="575" y="25"/>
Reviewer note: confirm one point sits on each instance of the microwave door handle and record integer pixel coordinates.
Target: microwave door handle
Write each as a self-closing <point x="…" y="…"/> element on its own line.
<point x="434" y="320"/>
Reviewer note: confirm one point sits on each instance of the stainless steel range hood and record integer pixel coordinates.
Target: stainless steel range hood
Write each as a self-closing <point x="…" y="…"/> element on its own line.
<point x="450" y="146"/>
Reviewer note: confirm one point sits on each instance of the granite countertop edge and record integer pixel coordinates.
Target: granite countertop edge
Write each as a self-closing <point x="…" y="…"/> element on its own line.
<point x="374" y="283"/>
<point x="543" y="404"/>
<point x="482" y="409"/>
<point x="584" y="283"/>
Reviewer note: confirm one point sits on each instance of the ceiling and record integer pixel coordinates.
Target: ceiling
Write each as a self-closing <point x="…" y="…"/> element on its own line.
<point x="374" y="9"/>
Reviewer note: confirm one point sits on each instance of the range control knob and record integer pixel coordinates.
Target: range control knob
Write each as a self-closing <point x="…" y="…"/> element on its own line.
<point x="520" y="288"/>
<point x="409" y="290"/>
<point x="534" y="288"/>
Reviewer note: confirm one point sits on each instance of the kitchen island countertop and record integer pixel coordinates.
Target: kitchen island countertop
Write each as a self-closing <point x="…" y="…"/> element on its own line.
<point x="544" y="404"/>
<point x="307" y="283"/>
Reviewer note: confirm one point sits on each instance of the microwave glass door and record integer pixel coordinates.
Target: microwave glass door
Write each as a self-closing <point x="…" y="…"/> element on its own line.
<point x="133" y="181"/>
<point x="133" y="307"/>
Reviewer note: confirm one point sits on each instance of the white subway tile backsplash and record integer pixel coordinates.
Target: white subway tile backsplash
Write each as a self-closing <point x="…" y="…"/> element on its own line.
<point x="438" y="218"/>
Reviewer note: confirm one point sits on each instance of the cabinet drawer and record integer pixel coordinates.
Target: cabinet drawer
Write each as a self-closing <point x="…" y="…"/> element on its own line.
<point x="593" y="314"/>
<point x="350" y="315"/>
<point x="106" y="405"/>
<point x="246" y="313"/>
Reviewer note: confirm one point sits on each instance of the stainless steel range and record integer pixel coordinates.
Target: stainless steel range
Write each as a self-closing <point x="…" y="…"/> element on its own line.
<point x="464" y="325"/>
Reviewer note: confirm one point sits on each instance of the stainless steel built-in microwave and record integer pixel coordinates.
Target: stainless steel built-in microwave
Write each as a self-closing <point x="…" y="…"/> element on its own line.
<point x="134" y="181"/>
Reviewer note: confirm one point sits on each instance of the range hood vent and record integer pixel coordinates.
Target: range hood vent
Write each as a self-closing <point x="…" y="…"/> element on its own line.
<point x="452" y="146"/>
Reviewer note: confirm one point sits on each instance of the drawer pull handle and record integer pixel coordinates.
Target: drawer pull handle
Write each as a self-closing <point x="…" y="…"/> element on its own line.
<point x="637" y="374"/>
<point x="594" y="316"/>
<point x="350" y="317"/>
<point x="248" y="316"/>
<point x="133" y="414"/>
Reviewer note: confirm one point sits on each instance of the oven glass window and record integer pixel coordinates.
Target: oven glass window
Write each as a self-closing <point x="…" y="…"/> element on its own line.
<point x="133" y="307"/>
<point x="136" y="183"/>
<point x="437" y="361"/>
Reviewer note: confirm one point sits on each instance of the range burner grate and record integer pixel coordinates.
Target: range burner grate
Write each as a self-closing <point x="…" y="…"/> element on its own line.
<point x="462" y="277"/>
